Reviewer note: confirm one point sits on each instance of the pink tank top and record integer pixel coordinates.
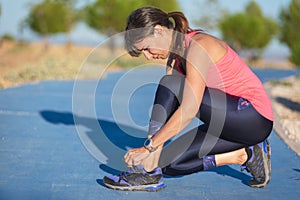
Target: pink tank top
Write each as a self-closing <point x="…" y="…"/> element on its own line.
<point x="231" y="75"/>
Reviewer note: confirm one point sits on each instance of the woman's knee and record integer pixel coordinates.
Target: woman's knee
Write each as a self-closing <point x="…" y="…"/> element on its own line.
<point x="170" y="171"/>
<point x="174" y="83"/>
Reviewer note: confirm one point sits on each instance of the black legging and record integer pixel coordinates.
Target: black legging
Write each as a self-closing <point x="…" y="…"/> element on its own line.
<point x="225" y="128"/>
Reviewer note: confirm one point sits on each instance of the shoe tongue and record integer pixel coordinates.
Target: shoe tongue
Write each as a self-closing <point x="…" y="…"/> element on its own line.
<point x="251" y="149"/>
<point x="140" y="166"/>
<point x="261" y="145"/>
<point x="137" y="168"/>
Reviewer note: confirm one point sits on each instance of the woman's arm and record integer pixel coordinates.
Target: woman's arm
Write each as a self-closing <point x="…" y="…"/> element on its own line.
<point x="197" y="66"/>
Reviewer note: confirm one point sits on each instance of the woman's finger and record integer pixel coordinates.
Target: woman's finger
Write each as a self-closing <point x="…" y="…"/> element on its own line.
<point x="127" y="158"/>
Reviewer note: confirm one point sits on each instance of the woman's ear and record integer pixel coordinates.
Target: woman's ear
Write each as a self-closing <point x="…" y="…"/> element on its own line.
<point x="158" y="30"/>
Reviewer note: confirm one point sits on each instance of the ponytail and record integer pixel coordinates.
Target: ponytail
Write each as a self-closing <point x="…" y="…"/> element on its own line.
<point x="181" y="23"/>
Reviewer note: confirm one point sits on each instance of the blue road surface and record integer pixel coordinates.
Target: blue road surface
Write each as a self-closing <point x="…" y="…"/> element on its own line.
<point x="57" y="142"/>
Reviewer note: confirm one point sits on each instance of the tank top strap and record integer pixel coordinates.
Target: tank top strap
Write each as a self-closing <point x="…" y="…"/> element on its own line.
<point x="188" y="36"/>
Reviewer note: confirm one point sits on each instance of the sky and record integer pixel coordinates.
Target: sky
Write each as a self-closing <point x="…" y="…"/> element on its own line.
<point x="14" y="11"/>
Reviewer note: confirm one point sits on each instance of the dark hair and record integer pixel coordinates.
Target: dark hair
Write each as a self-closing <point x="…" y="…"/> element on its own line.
<point x="143" y="21"/>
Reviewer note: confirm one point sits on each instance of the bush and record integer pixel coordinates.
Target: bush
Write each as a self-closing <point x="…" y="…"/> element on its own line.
<point x="7" y="37"/>
<point x="295" y="55"/>
<point x="290" y="30"/>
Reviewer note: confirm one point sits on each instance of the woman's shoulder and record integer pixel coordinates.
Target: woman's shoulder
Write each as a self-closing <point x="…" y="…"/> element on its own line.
<point x="215" y="48"/>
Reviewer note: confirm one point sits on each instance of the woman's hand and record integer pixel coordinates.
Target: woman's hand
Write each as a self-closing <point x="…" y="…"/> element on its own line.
<point x="135" y="156"/>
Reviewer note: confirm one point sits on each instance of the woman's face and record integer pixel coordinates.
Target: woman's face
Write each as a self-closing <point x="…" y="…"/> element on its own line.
<point x="156" y="46"/>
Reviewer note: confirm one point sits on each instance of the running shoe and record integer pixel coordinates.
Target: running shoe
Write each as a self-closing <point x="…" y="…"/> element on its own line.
<point x="259" y="165"/>
<point x="136" y="178"/>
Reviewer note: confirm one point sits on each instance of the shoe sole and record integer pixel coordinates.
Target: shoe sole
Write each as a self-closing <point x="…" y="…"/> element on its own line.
<point x="266" y="154"/>
<point x="147" y="188"/>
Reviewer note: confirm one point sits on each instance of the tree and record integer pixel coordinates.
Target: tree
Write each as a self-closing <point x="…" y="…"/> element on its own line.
<point x="108" y="17"/>
<point x="250" y="31"/>
<point x="167" y="5"/>
<point x="51" y="17"/>
<point x="290" y="30"/>
<point x="253" y="9"/>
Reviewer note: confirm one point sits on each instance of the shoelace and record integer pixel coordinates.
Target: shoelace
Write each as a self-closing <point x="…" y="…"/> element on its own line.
<point x="130" y="170"/>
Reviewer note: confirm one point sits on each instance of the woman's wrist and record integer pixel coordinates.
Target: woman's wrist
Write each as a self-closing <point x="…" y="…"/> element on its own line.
<point x="148" y="144"/>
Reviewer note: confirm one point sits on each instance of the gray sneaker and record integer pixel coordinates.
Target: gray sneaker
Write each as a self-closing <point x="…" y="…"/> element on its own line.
<point x="259" y="165"/>
<point x="136" y="178"/>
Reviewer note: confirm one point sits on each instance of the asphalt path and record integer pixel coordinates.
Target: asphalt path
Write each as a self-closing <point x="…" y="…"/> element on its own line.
<point x="59" y="138"/>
